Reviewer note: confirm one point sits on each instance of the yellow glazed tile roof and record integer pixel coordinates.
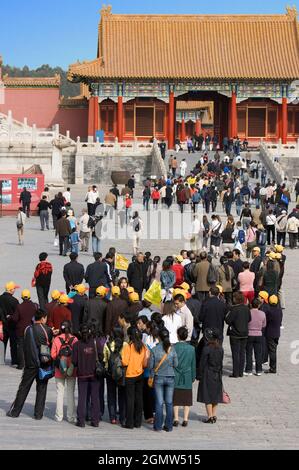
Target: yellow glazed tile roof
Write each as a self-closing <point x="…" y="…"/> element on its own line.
<point x="32" y="81"/>
<point x="194" y="47"/>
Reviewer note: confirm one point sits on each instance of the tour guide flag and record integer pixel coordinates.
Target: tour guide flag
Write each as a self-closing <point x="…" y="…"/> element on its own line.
<point x="121" y="262"/>
<point x="154" y="294"/>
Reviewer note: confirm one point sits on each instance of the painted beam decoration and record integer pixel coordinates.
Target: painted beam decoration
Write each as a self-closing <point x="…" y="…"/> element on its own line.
<point x="160" y="90"/>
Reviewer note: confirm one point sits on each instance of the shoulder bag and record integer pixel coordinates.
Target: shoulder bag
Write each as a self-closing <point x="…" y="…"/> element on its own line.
<point x="100" y="368"/>
<point x="43" y="373"/>
<point x="151" y="380"/>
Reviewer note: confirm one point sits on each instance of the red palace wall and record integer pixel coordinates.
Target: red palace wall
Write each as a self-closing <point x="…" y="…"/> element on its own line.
<point x="38" y="105"/>
<point x="41" y="107"/>
<point x="73" y="120"/>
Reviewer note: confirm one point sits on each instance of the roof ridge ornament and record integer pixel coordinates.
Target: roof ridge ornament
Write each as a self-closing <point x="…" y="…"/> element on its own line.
<point x="106" y="10"/>
<point x="292" y="12"/>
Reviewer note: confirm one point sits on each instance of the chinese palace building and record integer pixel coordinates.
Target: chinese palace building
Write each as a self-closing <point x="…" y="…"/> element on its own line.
<point x="170" y="76"/>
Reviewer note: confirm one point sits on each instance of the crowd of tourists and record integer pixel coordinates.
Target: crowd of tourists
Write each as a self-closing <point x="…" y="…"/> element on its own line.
<point x="107" y="333"/>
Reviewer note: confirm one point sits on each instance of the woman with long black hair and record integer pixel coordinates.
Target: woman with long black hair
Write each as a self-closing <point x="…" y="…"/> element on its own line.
<point x="210" y="387"/>
<point x="86" y="353"/>
<point x="135" y="358"/>
<point x="163" y="360"/>
<point x="226" y="276"/>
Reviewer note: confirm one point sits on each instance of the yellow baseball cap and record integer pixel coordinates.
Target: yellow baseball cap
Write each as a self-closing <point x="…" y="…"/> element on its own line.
<point x="26" y="294"/>
<point x="81" y="289"/>
<point x="64" y="299"/>
<point x="102" y="291"/>
<point x="273" y="300"/>
<point x="179" y="258"/>
<point x="11" y="286"/>
<point x="279" y="248"/>
<point x="115" y="291"/>
<point x="256" y="248"/>
<point x="185" y="286"/>
<point x="278" y="256"/>
<point x="130" y="290"/>
<point x="134" y="297"/>
<point x="264" y="295"/>
<point x="55" y="294"/>
<point x="271" y="255"/>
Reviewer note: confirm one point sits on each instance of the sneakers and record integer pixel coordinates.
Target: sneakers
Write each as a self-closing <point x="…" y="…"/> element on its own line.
<point x="258" y="374"/>
<point x="247" y="374"/>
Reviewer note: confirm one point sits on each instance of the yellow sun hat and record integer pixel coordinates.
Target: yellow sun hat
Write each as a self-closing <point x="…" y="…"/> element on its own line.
<point x="134" y="297"/>
<point x="264" y="295"/>
<point x="185" y="286"/>
<point x="130" y="290"/>
<point x="102" y="291"/>
<point x="279" y="248"/>
<point x="81" y="288"/>
<point x="273" y="300"/>
<point x="26" y="294"/>
<point x="55" y="294"/>
<point x="64" y="300"/>
<point x="115" y="291"/>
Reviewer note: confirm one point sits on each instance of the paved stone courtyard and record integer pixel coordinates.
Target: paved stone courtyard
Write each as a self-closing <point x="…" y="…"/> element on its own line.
<point x="264" y="412"/>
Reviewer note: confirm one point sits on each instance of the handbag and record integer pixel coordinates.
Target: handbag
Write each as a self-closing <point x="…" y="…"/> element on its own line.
<point x="56" y="241"/>
<point x="226" y="398"/>
<point x="100" y="368"/>
<point x="43" y="374"/>
<point x="45" y="351"/>
<point x="151" y="380"/>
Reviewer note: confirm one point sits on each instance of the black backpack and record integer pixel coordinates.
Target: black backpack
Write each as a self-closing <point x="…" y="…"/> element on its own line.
<point x="64" y="359"/>
<point x="91" y="222"/>
<point x="115" y="368"/>
<point x="212" y="275"/>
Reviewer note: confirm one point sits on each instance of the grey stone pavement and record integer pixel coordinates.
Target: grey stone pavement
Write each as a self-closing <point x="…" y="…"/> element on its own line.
<point x="264" y="412"/>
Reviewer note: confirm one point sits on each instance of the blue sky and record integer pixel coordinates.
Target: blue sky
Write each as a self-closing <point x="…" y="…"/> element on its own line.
<point x="59" y="32"/>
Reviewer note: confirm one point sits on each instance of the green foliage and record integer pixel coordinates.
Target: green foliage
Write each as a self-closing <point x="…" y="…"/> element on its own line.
<point x="66" y="88"/>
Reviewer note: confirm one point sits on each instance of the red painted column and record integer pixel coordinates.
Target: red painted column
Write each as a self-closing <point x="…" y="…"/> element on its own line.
<point x="96" y="110"/>
<point x="171" y="122"/>
<point x="198" y="128"/>
<point x="91" y="117"/>
<point x="234" y="122"/>
<point x="284" y="121"/>
<point x="120" y="118"/>
<point x="183" y="131"/>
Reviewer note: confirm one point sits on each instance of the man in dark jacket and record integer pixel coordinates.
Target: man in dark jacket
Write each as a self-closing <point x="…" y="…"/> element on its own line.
<point x="272" y="332"/>
<point x="35" y="336"/>
<point x="56" y="205"/>
<point x="95" y="309"/>
<point x="114" y="309"/>
<point x="78" y="307"/>
<point x="23" y="317"/>
<point x="256" y="267"/>
<point x="237" y="263"/>
<point x="25" y="200"/>
<point x="73" y="273"/>
<point x="8" y="305"/>
<point x="63" y="230"/>
<point x="137" y="274"/>
<point x="97" y="275"/>
<point x="43" y="211"/>
<point x="42" y="280"/>
<point x="213" y="312"/>
<point x="238" y="318"/>
<point x="131" y="184"/>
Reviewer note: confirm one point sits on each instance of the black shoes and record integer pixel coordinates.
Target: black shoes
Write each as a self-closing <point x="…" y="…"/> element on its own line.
<point x="166" y="429"/>
<point x="185" y="424"/>
<point x="270" y="371"/>
<point x="80" y="425"/>
<point x="175" y="424"/>
<point x="10" y="415"/>
<point x="211" y="420"/>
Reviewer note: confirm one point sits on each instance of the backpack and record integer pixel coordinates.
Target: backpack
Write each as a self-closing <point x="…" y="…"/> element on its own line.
<point x="262" y="239"/>
<point x="115" y="367"/>
<point x="91" y="222"/>
<point x="64" y="359"/>
<point x="196" y="198"/>
<point x="212" y="275"/>
<point x="137" y="227"/>
<point x="292" y="226"/>
<point x="285" y="199"/>
<point x="241" y="236"/>
<point x="281" y="223"/>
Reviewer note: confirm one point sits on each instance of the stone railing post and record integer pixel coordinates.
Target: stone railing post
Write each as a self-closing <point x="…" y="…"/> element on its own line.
<point x="34" y="136"/>
<point x="56" y="166"/>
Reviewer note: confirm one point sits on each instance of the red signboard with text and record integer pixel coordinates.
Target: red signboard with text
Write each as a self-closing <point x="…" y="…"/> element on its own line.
<point x="12" y="186"/>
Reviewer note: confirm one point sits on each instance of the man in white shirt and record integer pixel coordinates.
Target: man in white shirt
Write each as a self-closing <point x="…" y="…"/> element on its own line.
<point x="195" y="234"/>
<point x="67" y="195"/>
<point x="183" y="168"/>
<point x="183" y="311"/>
<point x="91" y="199"/>
<point x="84" y="230"/>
